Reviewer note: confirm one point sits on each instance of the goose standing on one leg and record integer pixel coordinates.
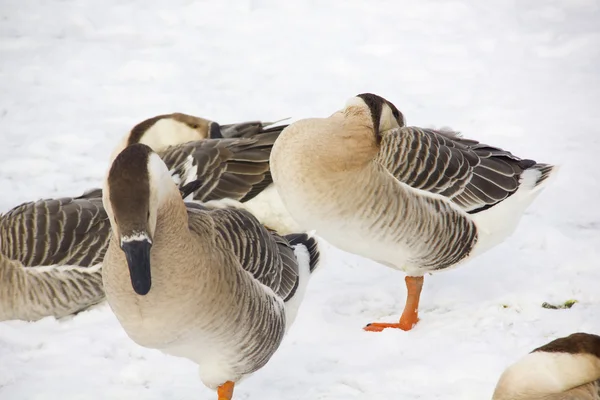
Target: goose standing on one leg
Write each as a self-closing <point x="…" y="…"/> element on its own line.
<point x="567" y="368"/>
<point x="413" y="199"/>
<point x="210" y="285"/>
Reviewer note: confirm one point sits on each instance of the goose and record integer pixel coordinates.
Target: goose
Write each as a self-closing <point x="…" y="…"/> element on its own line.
<point x="73" y="233"/>
<point x="165" y="130"/>
<point x="413" y="199"/>
<point x="567" y="368"/>
<point x="50" y="257"/>
<point x="184" y="143"/>
<point x="212" y="285"/>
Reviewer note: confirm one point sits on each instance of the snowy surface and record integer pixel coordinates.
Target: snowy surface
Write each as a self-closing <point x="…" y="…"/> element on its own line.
<point x="75" y="76"/>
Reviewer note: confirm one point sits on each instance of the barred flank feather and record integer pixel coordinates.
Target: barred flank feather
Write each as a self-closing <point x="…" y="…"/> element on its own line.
<point x="33" y="293"/>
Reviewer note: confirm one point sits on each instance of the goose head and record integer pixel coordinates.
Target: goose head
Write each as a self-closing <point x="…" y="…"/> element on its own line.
<point x="167" y="130"/>
<point x="381" y="113"/>
<point x="553" y="371"/>
<point x="137" y="186"/>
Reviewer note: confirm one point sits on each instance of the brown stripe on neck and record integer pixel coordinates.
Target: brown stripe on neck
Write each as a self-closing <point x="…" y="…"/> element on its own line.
<point x="577" y="343"/>
<point x="129" y="188"/>
<point x="375" y="104"/>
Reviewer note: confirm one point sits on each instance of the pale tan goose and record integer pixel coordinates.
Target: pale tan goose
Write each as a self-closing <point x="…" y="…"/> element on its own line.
<point x="413" y="199"/>
<point x="182" y="141"/>
<point x="46" y="248"/>
<point x="567" y="368"/>
<point x="165" y="130"/>
<point x="210" y="285"/>
<point x="74" y="231"/>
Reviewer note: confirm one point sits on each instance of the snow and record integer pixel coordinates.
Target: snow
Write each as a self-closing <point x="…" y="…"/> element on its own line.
<point x="76" y="76"/>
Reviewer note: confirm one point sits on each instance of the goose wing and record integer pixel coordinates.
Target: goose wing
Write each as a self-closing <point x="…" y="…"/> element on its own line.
<point x="64" y="231"/>
<point x="249" y="129"/>
<point x="267" y="256"/>
<point x="227" y="168"/>
<point x="473" y="175"/>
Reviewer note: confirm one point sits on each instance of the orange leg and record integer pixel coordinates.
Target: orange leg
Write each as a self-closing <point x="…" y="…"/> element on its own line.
<point x="225" y="391"/>
<point x="410" y="316"/>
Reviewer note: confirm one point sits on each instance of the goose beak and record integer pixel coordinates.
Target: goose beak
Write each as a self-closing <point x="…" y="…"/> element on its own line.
<point x="137" y="253"/>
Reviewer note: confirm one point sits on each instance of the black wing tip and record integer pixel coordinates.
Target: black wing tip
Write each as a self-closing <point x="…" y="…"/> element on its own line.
<point x="311" y="245"/>
<point x="250" y="129"/>
<point x="91" y="194"/>
<point x="190" y="188"/>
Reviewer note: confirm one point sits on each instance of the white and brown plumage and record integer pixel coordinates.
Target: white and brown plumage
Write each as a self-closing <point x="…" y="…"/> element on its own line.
<point x="50" y="257"/>
<point x="74" y="232"/>
<point x="188" y="145"/>
<point x="211" y="285"/>
<point x="567" y="368"/>
<point x="413" y="199"/>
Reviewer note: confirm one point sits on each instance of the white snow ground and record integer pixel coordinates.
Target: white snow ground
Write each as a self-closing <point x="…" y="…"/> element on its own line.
<point x="75" y="76"/>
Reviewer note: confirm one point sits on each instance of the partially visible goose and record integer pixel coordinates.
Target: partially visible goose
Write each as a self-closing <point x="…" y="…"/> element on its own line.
<point x="166" y="130"/>
<point x="189" y="146"/>
<point x="50" y="257"/>
<point x="63" y="231"/>
<point x="413" y="199"/>
<point x="567" y="368"/>
<point x="33" y="293"/>
<point x="211" y="285"/>
<point x="74" y="232"/>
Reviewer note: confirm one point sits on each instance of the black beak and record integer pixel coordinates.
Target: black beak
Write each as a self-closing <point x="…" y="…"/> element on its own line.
<point x="137" y="253"/>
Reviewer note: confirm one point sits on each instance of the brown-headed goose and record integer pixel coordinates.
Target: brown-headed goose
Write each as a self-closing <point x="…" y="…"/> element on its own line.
<point x="184" y="142"/>
<point x="73" y="232"/>
<point x="50" y="257"/>
<point x="567" y="368"/>
<point x="414" y="199"/>
<point x="211" y="285"/>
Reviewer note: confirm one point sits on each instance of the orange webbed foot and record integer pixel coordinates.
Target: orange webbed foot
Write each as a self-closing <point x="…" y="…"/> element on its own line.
<point x="225" y="391"/>
<point x="410" y="316"/>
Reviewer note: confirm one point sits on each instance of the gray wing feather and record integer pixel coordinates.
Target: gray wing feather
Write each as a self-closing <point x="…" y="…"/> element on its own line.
<point x="65" y="231"/>
<point x="33" y="293"/>
<point x="474" y="175"/>
<point x="249" y="129"/>
<point x="228" y="168"/>
<point x="267" y="256"/>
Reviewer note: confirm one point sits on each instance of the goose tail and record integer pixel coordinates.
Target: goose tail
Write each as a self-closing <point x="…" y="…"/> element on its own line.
<point x="311" y="245"/>
<point x="538" y="176"/>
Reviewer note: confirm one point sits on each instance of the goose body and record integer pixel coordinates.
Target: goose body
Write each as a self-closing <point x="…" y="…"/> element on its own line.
<point x="212" y="285"/>
<point x="414" y="199"/>
<point x="567" y="368"/>
<point x="50" y="257"/>
<point x="74" y="232"/>
<point x="189" y="146"/>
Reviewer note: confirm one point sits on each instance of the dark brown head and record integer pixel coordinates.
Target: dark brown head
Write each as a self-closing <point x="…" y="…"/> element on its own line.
<point x="557" y="370"/>
<point x="576" y="343"/>
<point x="384" y="115"/>
<point x="172" y="129"/>
<point x="137" y="184"/>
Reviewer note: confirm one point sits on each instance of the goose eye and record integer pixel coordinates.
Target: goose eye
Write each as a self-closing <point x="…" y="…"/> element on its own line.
<point x="194" y="126"/>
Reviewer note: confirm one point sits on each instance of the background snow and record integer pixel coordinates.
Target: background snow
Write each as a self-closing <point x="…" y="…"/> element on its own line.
<point x="76" y="76"/>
